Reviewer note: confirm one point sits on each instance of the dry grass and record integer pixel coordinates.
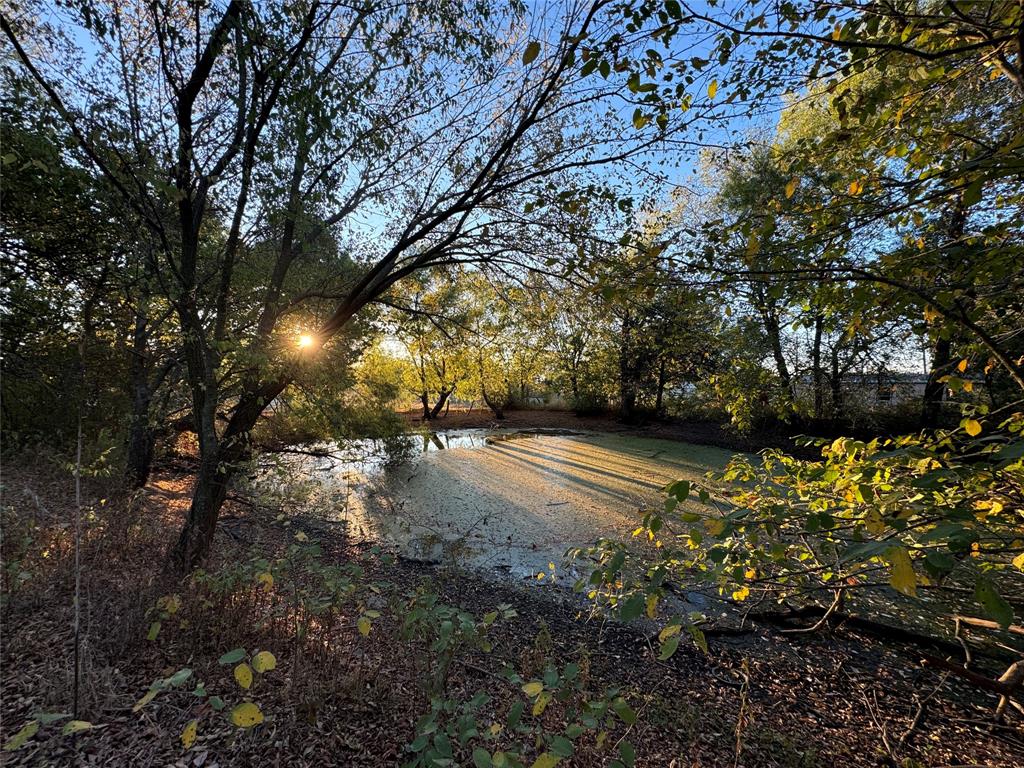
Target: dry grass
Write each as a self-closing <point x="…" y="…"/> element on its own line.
<point x="338" y="698"/>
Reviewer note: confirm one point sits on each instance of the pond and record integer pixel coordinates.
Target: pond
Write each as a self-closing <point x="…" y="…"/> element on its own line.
<point x="512" y="501"/>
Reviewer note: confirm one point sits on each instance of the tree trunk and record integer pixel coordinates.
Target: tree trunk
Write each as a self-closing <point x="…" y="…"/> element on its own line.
<point x="211" y="488"/>
<point x="774" y="333"/>
<point x="836" y="385"/>
<point x="141" y="435"/>
<point x="426" y="406"/>
<point x="627" y="381"/>
<point x="931" y="405"/>
<point x="436" y="410"/>
<point x="817" y="374"/>
<point x="496" y="409"/>
<point x="659" y="405"/>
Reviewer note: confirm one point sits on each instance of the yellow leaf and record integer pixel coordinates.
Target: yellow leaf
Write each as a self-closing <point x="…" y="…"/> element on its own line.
<point x="243" y="675"/>
<point x="27" y="732"/>
<point x="902" y="578"/>
<point x="169" y="603"/>
<point x="972" y="427"/>
<point x="856" y="187"/>
<point x="266" y="579"/>
<point x="837" y="32"/>
<point x="246" y="715"/>
<point x="968" y="386"/>
<point x="74" y="726"/>
<point x="714" y="526"/>
<point x="930" y="314"/>
<point x="667" y="632"/>
<point x="533" y="689"/>
<point x="712" y="89"/>
<point x="546" y="760"/>
<point x="652" y="606"/>
<point x="750" y="573"/>
<point x="791" y="187"/>
<point x="264" y="661"/>
<point x="301" y="536"/>
<point x="962" y="366"/>
<point x="1019" y="561"/>
<point x="150" y="695"/>
<point x="741" y="594"/>
<point x="188" y="736"/>
<point x="363" y="625"/>
<point x="541" y="703"/>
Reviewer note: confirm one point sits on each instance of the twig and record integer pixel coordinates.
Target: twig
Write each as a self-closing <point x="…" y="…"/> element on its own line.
<point x="78" y="562"/>
<point x="958" y="636"/>
<point x="919" y="715"/>
<point x="836" y="605"/>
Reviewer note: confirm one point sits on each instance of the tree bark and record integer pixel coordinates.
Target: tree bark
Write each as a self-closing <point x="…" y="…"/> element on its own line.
<point x="659" y="405"/>
<point x="836" y="386"/>
<point x="436" y="410"/>
<point x="817" y="374"/>
<point x="211" y="488"/>
<point x="141" y="435"/>
<point x="931" y="405"/>
<point x="627" y="375"/>
<point x="773" y="331"/>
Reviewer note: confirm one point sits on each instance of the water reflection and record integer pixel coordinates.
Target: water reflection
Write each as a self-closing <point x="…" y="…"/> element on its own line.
<point x="514" y="500"/>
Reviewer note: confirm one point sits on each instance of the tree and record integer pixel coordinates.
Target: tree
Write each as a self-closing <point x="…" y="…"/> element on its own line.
<point x="316" y="113"/>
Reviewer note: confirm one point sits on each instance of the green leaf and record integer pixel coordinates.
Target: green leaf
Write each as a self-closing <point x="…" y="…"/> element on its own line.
<point x="531" y="52"/>
<point x="633" y="607"/>
<point x="154" y="630"/>
<point x="179" y="677"/>
<point x="27" y="732"/>
<point x="363" y="625"/>
<point x="627" y="754"/>
<point x="561" y="746"/>
<point x="698" y="637"/>
<point x="515" y="714"/>
<point x="972" y="194"/>
<point x="995" y="606"/>
<point x="680" y="490"/>
<point x="232" y="657"/>
<point x="482" y="758"/>
<point x="668" y="648"/>
<point x="624" y="711"/>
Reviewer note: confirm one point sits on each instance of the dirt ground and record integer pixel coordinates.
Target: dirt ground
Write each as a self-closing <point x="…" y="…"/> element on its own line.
<point x="757" y="698"/>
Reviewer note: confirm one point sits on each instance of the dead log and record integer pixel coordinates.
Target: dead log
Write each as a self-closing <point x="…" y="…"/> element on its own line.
<point x="971" y="621"/>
